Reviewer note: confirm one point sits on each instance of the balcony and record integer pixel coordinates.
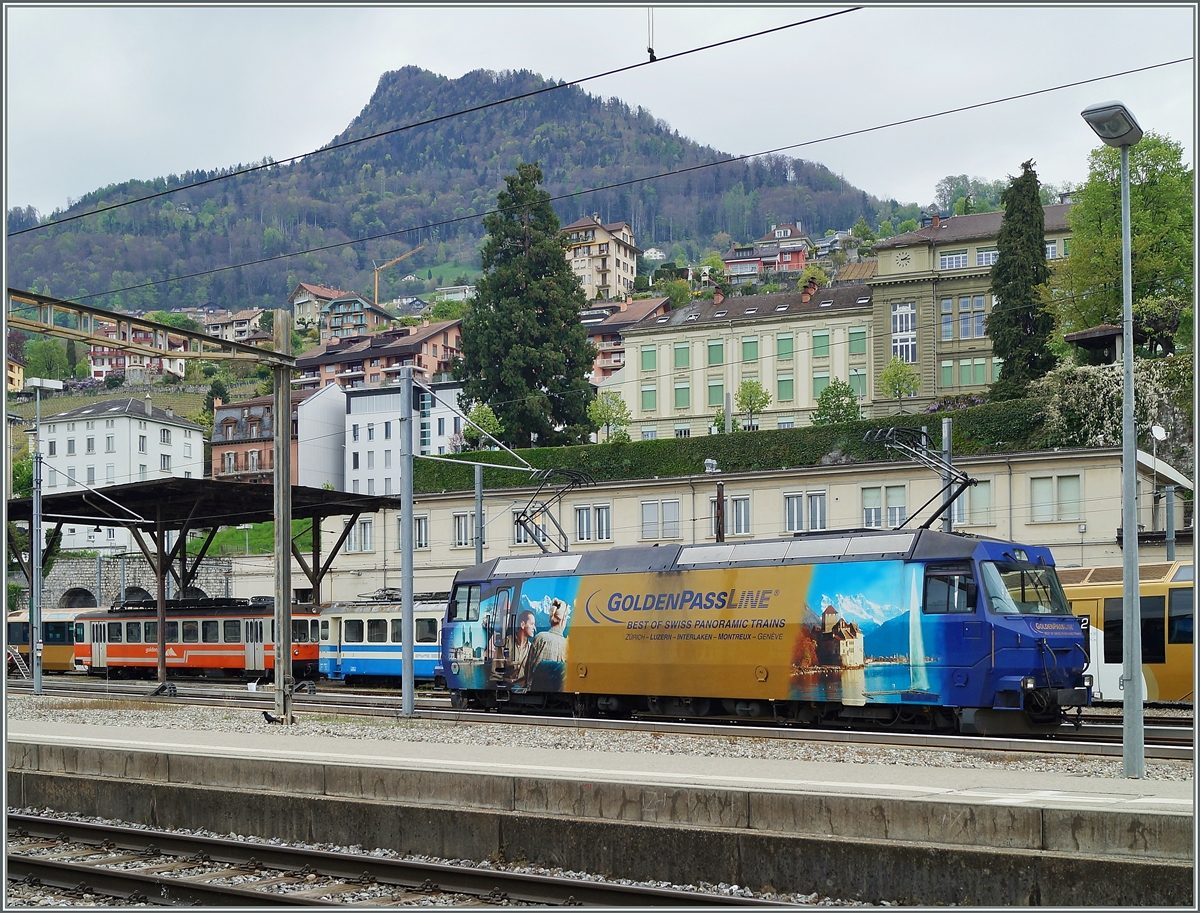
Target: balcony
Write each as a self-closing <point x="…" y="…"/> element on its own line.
<point x="610" y="346"/>
<point x="352" y="372"/>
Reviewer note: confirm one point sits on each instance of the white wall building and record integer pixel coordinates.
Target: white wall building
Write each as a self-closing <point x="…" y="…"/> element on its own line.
<point x="114" y="442"/>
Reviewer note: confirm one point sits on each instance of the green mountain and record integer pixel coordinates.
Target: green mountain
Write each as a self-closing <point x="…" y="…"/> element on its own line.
<point x="433" y="174"/>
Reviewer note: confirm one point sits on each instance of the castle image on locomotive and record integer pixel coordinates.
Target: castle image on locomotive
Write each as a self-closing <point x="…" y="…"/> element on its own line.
<point x="911" y="627"/>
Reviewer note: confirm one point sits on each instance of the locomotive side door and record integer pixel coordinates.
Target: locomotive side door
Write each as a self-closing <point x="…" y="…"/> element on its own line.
<point x="954" y="646"/>
<point x="256" y="654"/>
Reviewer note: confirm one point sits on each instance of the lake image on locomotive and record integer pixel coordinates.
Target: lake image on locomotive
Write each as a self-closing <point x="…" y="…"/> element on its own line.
<point x="917" y="629"/>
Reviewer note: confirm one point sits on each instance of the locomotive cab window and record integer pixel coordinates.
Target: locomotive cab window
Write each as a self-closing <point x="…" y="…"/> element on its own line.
<point x="1179" y="615"/>
<point x="464" y="605"/>
<point x="949" y="589"/>
<point x="299" y="630"/>
<point x="1017" y="588"/>
<point x="80" y="633"/>
<point x="427" y="631"/>
<point x="325" y="630"/>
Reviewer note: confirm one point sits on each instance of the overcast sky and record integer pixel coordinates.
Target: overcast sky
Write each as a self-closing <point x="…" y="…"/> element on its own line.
<point x="99" y="95"/>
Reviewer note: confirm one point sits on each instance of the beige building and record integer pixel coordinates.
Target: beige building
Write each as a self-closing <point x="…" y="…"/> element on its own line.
<point x="932" y="299"/>
<point x="679" y="365"/>
<point x="1068" y="500"/>
<point x="602" y="256"/>
<point x="307" y="301"/>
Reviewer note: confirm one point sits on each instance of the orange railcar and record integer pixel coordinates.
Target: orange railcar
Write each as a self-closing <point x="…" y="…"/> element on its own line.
<point x="203" y="637"/>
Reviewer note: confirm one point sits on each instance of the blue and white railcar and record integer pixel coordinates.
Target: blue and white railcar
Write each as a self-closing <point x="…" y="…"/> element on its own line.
<point x="362" y="642"/>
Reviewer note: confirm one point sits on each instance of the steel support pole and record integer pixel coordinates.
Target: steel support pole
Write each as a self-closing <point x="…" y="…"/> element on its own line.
<point x="1133" y="749"/>
<point x="160" y="573"/>
<point x="408" y="682"/>
<point x="284" y="682"/>
<point x="479" y="513"/>
<point x="947" y="455"/>
<point x="1169" y="493"/>
<point x="35" y="553"/>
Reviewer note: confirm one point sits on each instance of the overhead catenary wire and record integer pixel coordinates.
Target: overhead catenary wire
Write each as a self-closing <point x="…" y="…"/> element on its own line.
<point x="429" y="226"/>
<point x="333" y="147"/>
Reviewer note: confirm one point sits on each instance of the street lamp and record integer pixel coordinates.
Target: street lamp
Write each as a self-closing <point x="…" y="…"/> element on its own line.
<point x="35" y="534"/>
<point x="1116" y="126"/>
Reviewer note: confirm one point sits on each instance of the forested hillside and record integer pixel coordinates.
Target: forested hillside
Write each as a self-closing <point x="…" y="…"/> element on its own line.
<point x="431" y="174"/>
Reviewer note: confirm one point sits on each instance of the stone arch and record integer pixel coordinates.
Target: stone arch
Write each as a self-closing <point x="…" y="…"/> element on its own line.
<point x="137" y="594"/>
<point x="194" y="592"/>
<point x="77" y="598"/>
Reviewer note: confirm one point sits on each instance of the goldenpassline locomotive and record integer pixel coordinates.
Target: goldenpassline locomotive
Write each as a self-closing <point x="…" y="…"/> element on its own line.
<point x="204" y="637"/>
<point x="908" y="628"/>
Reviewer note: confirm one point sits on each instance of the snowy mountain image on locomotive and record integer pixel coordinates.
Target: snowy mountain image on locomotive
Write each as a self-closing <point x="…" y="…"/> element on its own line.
<point x="917" y="628"/>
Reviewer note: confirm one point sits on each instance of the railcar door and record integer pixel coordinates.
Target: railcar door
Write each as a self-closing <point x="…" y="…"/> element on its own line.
<point x="256" y="651"/>
<point x="951" y="643"/>
<point x="99" y="645"/>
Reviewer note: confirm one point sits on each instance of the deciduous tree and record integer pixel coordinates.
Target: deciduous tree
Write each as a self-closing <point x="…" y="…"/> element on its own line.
<point x="1019" y="324"/>
<point x="525" y="352"/>
<point x="897" y="380"/>
<point x="46" y="358"/>
<point x="609" y="412"/>
<point x="837" y="403"/>
<point x="751" y="398"/>
<point x="483" y="424"/>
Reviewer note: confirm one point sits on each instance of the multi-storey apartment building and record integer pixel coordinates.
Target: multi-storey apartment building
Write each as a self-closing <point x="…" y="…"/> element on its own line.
<point x="351" y="438"/>
<point x="137" y="368"/>
<point x="352" y="315"/>
<point x="16" y="373"/>
<point x="234" y="327"/>
<point x="371" y="361"/>
<point x="679" y="365"/>
<point x="307" y="301"/>
<point x="243" y="439"/>
<point x="110" y="443"/>
<point x="602" y="256"/>
<point x="932" y="298"/>
<point x="783" y="249"/>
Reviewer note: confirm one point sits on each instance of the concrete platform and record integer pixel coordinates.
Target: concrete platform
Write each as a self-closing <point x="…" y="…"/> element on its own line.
<point x="875" y="832"/>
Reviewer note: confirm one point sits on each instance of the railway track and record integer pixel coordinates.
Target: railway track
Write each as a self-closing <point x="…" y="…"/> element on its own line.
<point x="1166" y="738"/>
<point x="173" y="869"/>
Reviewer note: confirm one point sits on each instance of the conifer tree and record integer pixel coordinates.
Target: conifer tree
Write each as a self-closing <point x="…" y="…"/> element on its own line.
<point x="1019" y="325"/>
<point x="524" y="351"/>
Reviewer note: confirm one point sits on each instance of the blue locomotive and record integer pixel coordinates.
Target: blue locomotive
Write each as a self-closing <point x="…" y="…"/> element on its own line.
<point x="911" y="628"/>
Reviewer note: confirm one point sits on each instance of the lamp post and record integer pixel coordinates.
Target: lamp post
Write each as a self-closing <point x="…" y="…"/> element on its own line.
<point x="35" y="534"/>
<point x="1116" y="127"/>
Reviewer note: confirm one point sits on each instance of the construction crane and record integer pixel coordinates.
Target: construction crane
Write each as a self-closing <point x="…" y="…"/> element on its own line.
<point x="380" y="269"/>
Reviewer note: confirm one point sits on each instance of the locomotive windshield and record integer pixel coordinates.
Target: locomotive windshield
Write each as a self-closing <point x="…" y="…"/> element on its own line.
<point x="1023" y="589"/>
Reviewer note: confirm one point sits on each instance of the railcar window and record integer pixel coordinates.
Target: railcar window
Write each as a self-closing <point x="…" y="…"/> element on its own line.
<point x="949" y="589"/>
<point x="152" y="632"/>
<point x="299" y="631"/>
<point x="1180" y="602"/>
<point x="172" y="632"/>
<point x="56" y="632"/>
<point x="233" y="630"/>
<point x="210" y="630"/>
<point x="80" y="633"/>
<point x="18" y="632"/>
<point x="1153" y="612"/>
<point x="114" y="632"/>
<point x="1023" y="589"/>
<point x="191" y="632"/>
<point x="464" y="605"/>
<point x="313" y="627"/>
<point x="133" y="632"/>
<point x="377" y="630"/>
<point x="324" y="630"/>
<point x="352" y="630"/>
<point x="427" y="631"/>
<point x="397" y="630"/>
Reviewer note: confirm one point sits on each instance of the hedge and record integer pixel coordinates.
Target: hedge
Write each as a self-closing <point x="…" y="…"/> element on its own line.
<point x="1009" y="426"/>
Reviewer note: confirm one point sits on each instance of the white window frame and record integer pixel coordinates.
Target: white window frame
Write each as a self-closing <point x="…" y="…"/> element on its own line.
<point x="793" y="511"/>
<point x="1050" y="494"/>
<point x="904" y="331"/>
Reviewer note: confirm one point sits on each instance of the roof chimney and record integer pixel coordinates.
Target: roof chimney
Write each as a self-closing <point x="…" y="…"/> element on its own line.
<point x="217" y="402"/>
<point x="718" y="295"/>
<point x="147" y="406"/>
<point x="936" y="220"/>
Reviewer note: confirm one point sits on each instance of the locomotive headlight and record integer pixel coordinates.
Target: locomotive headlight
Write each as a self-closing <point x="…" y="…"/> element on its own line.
<point x="1087" y="681"/>
<point x="1028" y="683"/>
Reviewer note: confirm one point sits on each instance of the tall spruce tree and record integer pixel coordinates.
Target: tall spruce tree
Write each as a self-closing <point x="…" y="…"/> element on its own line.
<point x="524" y="351"/>
<point x="1019" y="325"/>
